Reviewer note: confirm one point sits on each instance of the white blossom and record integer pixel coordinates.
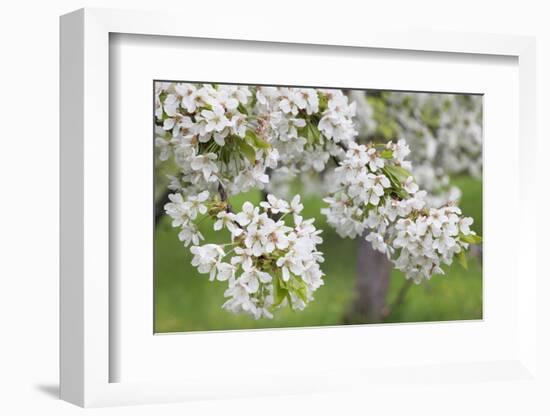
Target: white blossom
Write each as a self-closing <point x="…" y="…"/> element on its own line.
<point x="206" y="258"/>
<point x="215" y="119"/>
<point x="205" y="164"/>
<point x="275" y="205"/>
<point x="188" y="94"/>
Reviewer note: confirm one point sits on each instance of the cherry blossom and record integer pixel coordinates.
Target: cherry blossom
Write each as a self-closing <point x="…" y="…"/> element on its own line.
<point x="270" y="263"/>
<point x="392" y="214"/>
<point x="225" y="140"/>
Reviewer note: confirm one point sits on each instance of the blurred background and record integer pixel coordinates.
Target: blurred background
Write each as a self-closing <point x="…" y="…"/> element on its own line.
<point x="444" y="132"/>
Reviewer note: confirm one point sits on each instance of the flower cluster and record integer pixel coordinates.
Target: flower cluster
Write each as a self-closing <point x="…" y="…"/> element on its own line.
<point x="211" y="137"/>
<point x="183" y="212"/>
<point x="268" y="263"/>
<point x="443" y="130"/>
<point x="365" y="176"/>
<point x="237" y="135"/>
<point x="427" y="238"/>
<point x="234" y="134"/>
<point x="378" y="199"/>
<point x="307" y="126"/>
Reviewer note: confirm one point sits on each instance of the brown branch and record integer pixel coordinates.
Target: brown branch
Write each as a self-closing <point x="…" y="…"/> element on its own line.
<point x="343" y="146"/>
<point x="224" y="198"/>
<point x="159" y="206"/>
<point x="228" y="207"/>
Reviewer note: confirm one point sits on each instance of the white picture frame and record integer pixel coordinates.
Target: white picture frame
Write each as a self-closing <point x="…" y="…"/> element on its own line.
<point x="87" y="356"/>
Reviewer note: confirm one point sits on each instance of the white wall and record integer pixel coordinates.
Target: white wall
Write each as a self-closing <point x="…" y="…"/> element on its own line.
<point x="29" y="185"/>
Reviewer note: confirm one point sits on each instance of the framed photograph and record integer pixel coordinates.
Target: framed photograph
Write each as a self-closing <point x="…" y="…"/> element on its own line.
<point x="259" y="182"/>
<point x="282" y="213"/>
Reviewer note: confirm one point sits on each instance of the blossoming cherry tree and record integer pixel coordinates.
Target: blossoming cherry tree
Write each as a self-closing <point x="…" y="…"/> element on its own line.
<point x="227" y="139"/>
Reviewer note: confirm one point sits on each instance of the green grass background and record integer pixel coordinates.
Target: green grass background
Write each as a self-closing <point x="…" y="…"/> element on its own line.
<point x="186" y="301"/>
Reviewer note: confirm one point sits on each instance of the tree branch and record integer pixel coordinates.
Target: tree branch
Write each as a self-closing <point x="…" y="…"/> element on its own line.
<point x="342" y="146"/>
<point x="159" y="206"/>
<point x="224" y="198"/>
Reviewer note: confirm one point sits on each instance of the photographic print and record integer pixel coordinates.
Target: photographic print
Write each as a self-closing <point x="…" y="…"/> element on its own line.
<point x="291" y="206"/>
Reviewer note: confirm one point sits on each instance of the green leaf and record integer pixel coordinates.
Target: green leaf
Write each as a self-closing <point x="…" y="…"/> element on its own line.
<point x="400" y="173"/>
<point x="386" y="154"/>
<point x="252" y="138"/>
<point x="393" y="180"/>
<point x="242" y="109"/>
<point x="248" y="151"/>
<point x="323" y="102"/>
<point x="397" y="187"/>
<point x="470" y="238"/>
<point x="302" y="293"/>
<point x="299" y="288"/>
<point x="401" y="193"/>
<point x="289" y="300"/>
<point x="312" y="132"/>
<point x="249" y="136"/>
<point x="461" y="256"/>
<point x="279" y="292"/>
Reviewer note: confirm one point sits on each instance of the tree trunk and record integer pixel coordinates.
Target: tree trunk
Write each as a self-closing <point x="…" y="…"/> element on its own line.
<point x="371" y="285"/>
